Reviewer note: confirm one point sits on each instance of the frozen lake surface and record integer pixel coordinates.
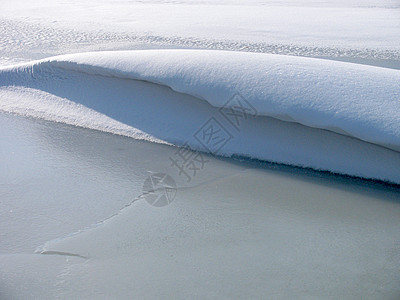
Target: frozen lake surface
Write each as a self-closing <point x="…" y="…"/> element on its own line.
<point x="71" y="226"/>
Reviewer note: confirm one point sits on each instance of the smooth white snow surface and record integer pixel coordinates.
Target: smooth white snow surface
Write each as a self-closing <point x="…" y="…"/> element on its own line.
<point x="350" y="24"/>
<point x="307" y="112"/>
<point x="365" y="31"/>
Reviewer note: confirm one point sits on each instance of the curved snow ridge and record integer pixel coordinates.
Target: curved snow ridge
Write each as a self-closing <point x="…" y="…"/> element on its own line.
<point x="159" y="96"/>
<point x="355" y="100"/>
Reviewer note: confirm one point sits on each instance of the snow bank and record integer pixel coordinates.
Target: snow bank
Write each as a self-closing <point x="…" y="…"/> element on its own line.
<point x="356" y="100"/>
<point x="358" y="107"/>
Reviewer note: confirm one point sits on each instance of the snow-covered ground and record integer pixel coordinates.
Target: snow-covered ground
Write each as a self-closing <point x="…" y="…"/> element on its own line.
<point x="362" y="30"/>
<point x="97" y="202"/>
<point x="350" y="24"/>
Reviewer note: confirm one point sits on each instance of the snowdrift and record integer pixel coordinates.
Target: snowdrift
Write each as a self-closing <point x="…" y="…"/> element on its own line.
<point x="307" y="112"/>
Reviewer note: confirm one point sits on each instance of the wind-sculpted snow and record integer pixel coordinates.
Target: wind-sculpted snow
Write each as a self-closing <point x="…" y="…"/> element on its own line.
<point x="323" y="114"/>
